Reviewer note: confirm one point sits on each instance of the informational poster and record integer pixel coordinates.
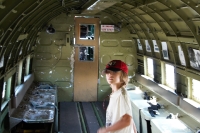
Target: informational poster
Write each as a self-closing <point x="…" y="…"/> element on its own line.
<point x="139" y="44"/>
<point x="165" y="51"/>
<point x="181" y="56"/>
<point x="194" y="56"/>
<point x="156" y="49"/>
<point x="107" y="28"/>
<point x="148" y="48"/>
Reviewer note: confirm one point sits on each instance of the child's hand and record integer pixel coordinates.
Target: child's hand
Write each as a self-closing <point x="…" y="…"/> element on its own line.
<point x="102" y="130"/>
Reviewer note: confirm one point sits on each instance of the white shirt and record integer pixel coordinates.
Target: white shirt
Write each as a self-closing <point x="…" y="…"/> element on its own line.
<point x="119" y="105"/>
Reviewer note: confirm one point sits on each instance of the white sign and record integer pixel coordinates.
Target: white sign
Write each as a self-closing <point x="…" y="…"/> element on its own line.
<point x="107" y="28"/>
<point x="148" y="48"/>
<point x="181" y="56"/>
<point x="165" y="51"/>
<point x="139" y="44"/>
<point x="156" y="49"/>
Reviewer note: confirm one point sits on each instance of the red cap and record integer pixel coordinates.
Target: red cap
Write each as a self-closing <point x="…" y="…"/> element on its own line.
<point x="117" y="65"/>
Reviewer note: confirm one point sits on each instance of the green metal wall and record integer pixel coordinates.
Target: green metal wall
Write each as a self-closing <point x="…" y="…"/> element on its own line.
<point x="54" y="56"/>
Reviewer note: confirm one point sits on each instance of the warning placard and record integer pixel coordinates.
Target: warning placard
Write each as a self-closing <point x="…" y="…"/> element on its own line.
<point x="107" y="28"/>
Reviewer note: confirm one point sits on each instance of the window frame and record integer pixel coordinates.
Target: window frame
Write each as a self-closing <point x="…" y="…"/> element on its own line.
<point x="168" y="74"/>
<point x="150" y="74"/>
<point x="19" y="76"/>
<point x="3" y="96"/>
<point x="2" y="62"/>
<point x="193" y="90"/>
<point x="27" y="65"/>
<point x="6" y="92"/>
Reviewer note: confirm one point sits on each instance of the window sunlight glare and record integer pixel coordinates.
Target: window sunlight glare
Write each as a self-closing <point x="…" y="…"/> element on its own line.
<point x="170" y="75"/>
<point x="4" y="90"/>
<point x="150" y="67"/>
<point x="195" y="90"/>
<point x="2" y="61"/>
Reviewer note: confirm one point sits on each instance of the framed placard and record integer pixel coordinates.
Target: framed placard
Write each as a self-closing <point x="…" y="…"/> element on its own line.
<point x="181" y="56"/>
<point x="165" y="51"/>
<point x="156" y="49"/>
<point x="194" y="56"/>
<point x="139" y="44"/>
<point x="148" y="48"/>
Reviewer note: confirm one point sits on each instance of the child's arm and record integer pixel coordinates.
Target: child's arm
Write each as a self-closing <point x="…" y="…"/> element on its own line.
<point x="122" y="123"/>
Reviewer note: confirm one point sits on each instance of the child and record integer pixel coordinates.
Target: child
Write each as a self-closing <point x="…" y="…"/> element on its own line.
<point x="119" y="112"/>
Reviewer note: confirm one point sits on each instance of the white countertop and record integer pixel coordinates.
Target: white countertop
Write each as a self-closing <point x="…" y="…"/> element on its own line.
<point x="147" y="116"/>
<point x="139" y="104"/>
<point x="135" y="94"/>
<point x="169" y="126"/>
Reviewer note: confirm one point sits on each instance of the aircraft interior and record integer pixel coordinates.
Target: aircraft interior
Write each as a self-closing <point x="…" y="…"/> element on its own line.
<point x="53" y="52"/>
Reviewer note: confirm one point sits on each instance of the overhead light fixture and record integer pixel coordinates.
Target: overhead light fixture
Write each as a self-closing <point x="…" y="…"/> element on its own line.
<point x="50" y="29"/>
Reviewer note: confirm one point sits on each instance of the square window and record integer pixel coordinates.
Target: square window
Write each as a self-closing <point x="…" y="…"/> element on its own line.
<point x="195" y="90"/>
<point x="4" y="91"/>
<point x="87" y="31"/>
<point x="20" y="72"/>
<point x="1" y="61"/>
<point x="169" y="71"/>
<point x="86" y="53"/>
<point x="150" y="71"/>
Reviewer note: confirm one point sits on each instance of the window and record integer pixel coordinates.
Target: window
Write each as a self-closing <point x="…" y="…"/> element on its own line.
<point x="150" y="71"/>
<point x="20" y="72"/>
<point x="27" y="70"/>
<point x="1" y="61"/>
<point x="86" y="53"/>
<point x="27" y="64"/>
<point x="29" y="46"/>
<point x="20" y="51"/>
<point x="169" y="72"/>
<point x="9" y="56"/>
<point x="4" y="92"/>
<point x="195" y="90"/>
<point x="87" y="31"/>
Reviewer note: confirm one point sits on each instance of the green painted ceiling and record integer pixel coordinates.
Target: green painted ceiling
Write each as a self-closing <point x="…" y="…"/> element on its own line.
<point x="174" y="21"/>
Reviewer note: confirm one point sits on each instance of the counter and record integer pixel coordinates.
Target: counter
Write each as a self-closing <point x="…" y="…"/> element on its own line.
<point x="169" y="126"/>
<point x="39" y="105"/>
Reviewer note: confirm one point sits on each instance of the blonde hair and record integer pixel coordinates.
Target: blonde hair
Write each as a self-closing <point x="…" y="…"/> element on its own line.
<point x="124" y="78"/>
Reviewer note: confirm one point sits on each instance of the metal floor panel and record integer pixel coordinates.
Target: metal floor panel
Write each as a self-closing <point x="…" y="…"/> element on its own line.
<point x="69" y="118"/>
<point x="101" y="111"/>
<point x="91" y="120"/>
